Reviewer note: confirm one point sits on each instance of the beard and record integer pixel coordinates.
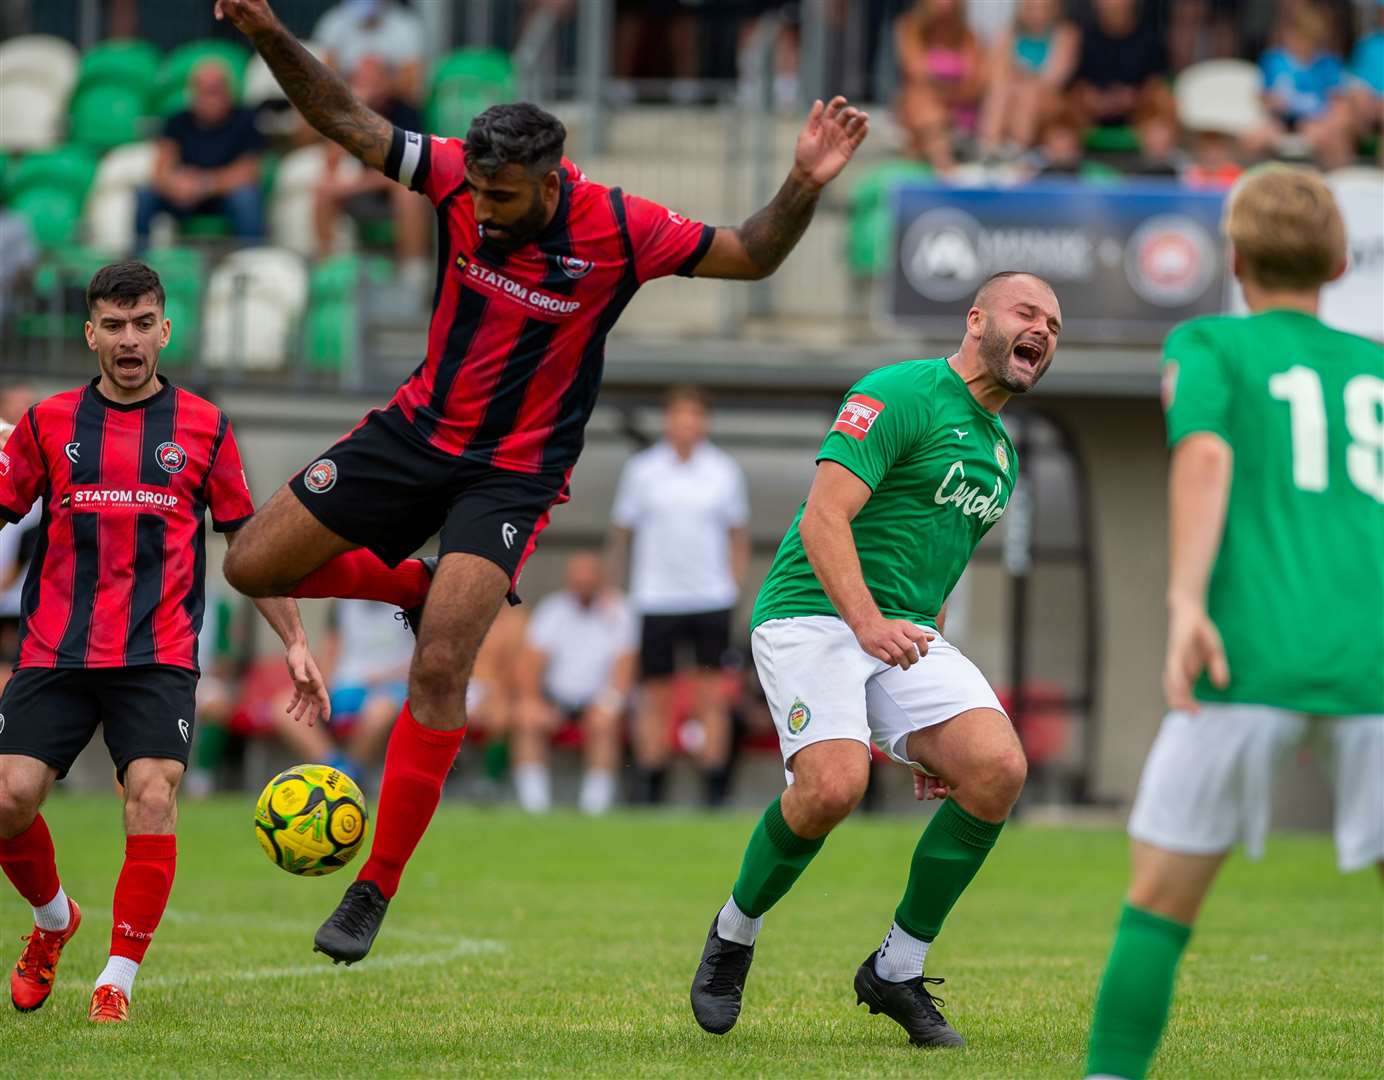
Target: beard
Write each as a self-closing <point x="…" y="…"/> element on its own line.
<point x="997" y="351"/>
<point x="521" y="232"/>
<point x="128" y="379"/>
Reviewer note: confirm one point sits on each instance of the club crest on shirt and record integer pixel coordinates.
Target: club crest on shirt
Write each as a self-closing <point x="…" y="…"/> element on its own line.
<point x="1001" y="456"/>
<point x="799" y="716"/>
<point x="858" y="415"/>
<point x="320" y="476"/>
<point x="171" y="457"/>
<point x="574" y="268"/>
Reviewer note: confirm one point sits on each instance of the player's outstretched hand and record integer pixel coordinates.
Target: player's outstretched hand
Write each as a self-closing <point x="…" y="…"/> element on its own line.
<point x="1194" y="646"/>
<point x="897" y="642"/>
<point x="311" y="701"/>
<point x="829" y="138"/>
<point x="929" y="787"/>
<point x="248" y="16"/>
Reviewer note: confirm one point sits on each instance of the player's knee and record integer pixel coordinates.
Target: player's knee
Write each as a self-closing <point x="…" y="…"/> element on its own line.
<point x="18" y="808"/>
<point x="437" y="684"/>
<point x="151" y="804"/>
<point x="1000" y="781"/>
<point x="832" y="798"/>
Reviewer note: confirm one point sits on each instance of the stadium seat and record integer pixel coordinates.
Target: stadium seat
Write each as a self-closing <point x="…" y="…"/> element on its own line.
<point x="869" y="244"/>
<point x="1112" y="140"/>
<point x="42" y="58"/>
<point x="183" y="272"/>
<point x="131" y="62"/>
<point x="330" y="338"/>
<point x="291" y="199"/>
<point x="31" y="112"/>
<point x="170" y="88"/>
<point x="110" y="205"/>
<point x="49" y="189"/>
<point x="465" y="83"/>
<point x="102" y="115"/>
<point x="1220" y="95"/>
<point x="255" y="300"/>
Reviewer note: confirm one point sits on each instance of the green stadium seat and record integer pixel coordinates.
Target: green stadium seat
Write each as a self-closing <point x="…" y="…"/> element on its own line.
<point x="869" y="242"/>
<point x="103" y="115"/>
<point x="465" y="83"/>
<point x="49" y="188"/>
<point x="183" y="272"/>
<point x="333" y="290"/>
<point x="170" y="88"/>
<point x="130" y="63"/>
<point x="1112" y="140"/>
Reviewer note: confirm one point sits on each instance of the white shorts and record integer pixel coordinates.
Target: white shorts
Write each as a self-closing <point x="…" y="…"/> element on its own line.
<point x="821" y="685"/>
<point x="1208" y="782"/>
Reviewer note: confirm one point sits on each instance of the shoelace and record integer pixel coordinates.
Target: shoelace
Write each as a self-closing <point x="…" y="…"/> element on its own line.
<point x="729" y="970"/>
<point x="44" y="945"/>
<point x="355" y="915"/>
<point x="930" y="1000"/>
<point x="109" y="1001"/>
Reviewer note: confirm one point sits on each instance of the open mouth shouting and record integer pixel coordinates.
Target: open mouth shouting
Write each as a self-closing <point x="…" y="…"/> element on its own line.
<point x="1029" y="354"/>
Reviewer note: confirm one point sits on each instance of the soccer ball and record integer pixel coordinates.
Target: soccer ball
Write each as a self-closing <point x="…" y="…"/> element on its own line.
<point x="311" y="820"/>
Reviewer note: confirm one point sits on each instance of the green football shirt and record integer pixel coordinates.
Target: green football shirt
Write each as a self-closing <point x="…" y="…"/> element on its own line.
<point x="940" y="469"/>
<point x="1297" y="589"/>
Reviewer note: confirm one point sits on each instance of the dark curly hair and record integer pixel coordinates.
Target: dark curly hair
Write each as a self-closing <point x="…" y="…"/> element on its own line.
<point x="126" y="283"/>
<point x="517" y="134"/>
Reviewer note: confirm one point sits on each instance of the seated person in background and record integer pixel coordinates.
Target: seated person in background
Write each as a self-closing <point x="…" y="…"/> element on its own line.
<point x="366" y="660"/>
<point x="578" y="665"/>
<point x="941" y="78"/>
<point x="492" y="695"/>
<point x="1214" y="164"/>
<point x="1305" y="89"/>
<point x="355" y="29"/>
<point x="1059" y="145"/>
<point x="208" y="160"/>
<point x="1030" y="63"/>
<point x="1120" y="75"/>
<point x="1367" y="73"/>
<point x="368" y="195"/>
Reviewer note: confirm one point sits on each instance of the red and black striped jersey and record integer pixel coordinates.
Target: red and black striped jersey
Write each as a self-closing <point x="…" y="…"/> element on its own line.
<point x="517" y="339"/>
<point x="117" y="577"/>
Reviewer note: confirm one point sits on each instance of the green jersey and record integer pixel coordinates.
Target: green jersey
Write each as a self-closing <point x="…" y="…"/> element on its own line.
<point x="1297" y="590"/>
<point x="940" y="469"/>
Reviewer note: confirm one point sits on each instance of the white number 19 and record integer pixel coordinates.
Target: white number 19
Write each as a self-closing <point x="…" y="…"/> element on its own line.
<point x="1301" y="388"/>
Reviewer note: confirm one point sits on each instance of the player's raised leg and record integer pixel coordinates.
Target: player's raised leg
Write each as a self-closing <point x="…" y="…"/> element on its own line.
<point x="27" y="857"/>
<point x="146" y="878"/>
<point x="465" y="596"/>
<point x="829" y="778"/>
<point x="979" y="758"/>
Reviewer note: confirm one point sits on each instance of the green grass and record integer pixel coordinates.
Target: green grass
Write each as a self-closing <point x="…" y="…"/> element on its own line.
<point x="565" y="947"/>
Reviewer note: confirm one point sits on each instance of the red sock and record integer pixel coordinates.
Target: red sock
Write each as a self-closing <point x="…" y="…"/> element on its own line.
<point x="29" y="863"/>
<point x="362" y="575"/>
<point x="415" y="765"/>
<point x="141" y="893"/>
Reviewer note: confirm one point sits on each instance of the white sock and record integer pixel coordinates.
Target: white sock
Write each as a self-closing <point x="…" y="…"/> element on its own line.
<point x="901" y="956"/>
<point x="734" y="925"/>
<point x="55" y="914"/>
<point x="597" y="791"/>
<point x="120" y="971"/>
<point x="533" y="787"/>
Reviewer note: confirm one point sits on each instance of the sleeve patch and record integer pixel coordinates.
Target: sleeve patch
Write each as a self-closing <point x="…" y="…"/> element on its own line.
<point x="858" y="416"/>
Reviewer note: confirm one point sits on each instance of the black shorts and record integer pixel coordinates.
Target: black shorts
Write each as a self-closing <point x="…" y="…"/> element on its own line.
<point x="144" y="712"/>
<point x="706" y="634"/>
<point x="390" y="493"/>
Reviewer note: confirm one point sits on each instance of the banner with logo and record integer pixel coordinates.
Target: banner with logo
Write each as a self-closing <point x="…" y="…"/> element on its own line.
<point x="1355" y="302"/>
<point x="1127" y="261"/>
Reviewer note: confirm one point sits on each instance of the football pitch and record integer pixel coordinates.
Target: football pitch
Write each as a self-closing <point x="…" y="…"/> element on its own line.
<point x="565" y="947"/>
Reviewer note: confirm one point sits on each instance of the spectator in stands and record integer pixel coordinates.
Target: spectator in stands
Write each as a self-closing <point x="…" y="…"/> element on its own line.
<point x="1203" y="30"/>
<point x="492" y="697"/>
<point x="941" y="78"/>
<point x="1059" y="145"/>
<point x="1306" y="90"/>
<point x="208" y="160"/>
<point x="577" y="667"/>
<point x="1121" y="75"/>
<point x="367" y="195"/>
<point x="680" y="513"/>
<point x="17" y="542"/>
<point x="356" y="29"/>
<point x="655" y="38"/>
<point x="1029" y="66"/>
<point x="785" y="51"/>
<point x="1367" y="71"/>
<point x="366" y="660"/>
<point x="1214" y="164"/>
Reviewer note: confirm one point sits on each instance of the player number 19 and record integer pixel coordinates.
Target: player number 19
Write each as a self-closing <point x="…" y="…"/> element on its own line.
<point x="1301" y="388"/>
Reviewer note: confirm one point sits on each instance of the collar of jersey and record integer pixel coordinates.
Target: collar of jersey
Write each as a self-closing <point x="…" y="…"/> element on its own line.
<point x="559" y="222"/>
<point x="976" y="406"/>
<point x="163" y="391"/>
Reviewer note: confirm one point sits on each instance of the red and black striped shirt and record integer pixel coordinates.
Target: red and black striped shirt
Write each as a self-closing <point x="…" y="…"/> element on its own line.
<point x="117" y="577"/>
<point x="517" y="340"/>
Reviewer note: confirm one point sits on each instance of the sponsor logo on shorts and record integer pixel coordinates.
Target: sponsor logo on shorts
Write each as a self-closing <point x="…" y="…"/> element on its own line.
<point x="73" y="450"/>
<point x="1002" y="456"/>
<point x="321" y="476"/>
<point x="183" y="728"/>
<point x="574" y="268"/>
<point x="799" y="716"/>
<point x="171" y="457"/>
<point x="507" y="533"/>
<point x="858" y="415"/>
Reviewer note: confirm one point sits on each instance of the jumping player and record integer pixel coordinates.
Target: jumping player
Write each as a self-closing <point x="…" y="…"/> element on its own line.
<point x="536" y="264"/>
<point x="127" y="467"/>
<point x="1276" y="505"/>
<point x="847" y="640"/>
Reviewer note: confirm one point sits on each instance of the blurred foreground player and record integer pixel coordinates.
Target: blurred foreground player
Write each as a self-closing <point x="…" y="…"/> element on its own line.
<point x="127" y="467"/>
<point x="1275" y="592"/>
<point x="847" y="640"/>
<point x="537" y="264"/>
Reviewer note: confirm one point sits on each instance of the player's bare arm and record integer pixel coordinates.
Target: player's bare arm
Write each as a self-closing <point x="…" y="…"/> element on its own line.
<point x="825" y="145"/>
<point x="1198" y="490"/>
<point x="835" y="498"/>
<point x="311" y="701"/>
<point x="317" y="92"/>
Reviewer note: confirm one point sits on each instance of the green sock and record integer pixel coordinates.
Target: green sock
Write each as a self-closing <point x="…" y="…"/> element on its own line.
<point x="774" y="859"/>
<point x="495" y="759"/>
<point x="946" y="859"/>
<point x="1135" y="993"/>
<point x="211" y="746"/>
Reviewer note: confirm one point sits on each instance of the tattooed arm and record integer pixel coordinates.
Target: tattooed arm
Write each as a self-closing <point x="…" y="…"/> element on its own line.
<point x="825" y="145"/>
<point x="318" y="92"/>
